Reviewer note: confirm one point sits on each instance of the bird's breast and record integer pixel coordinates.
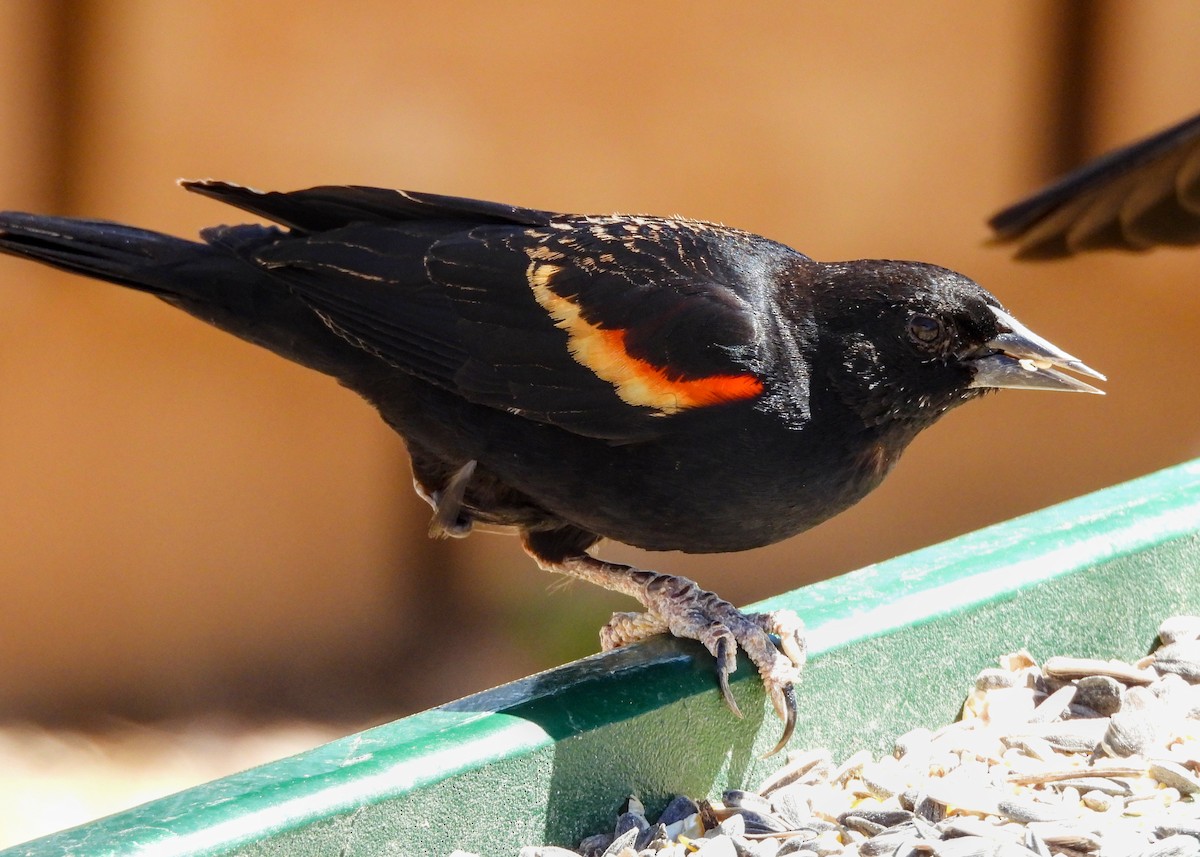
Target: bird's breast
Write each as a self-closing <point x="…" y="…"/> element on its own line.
<point x="714" y="489"/>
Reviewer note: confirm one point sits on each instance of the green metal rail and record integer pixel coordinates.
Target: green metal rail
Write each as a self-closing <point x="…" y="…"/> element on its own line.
<point x="548" y="759"/>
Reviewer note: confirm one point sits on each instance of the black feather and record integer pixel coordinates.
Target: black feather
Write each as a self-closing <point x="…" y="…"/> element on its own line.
<point x="1133" y="198"/>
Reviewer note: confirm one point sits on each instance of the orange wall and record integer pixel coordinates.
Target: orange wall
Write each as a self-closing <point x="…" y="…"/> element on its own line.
<point x="187" y="522"/>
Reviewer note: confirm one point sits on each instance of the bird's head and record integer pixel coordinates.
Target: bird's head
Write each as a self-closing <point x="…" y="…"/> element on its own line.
<point x="906" y="341"/>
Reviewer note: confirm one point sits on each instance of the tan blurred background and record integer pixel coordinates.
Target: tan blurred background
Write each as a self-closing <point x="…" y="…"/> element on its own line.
<point x="194" y="531"/>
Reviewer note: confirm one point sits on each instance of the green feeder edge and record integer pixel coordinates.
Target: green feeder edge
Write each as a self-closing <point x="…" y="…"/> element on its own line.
<point x="549" y="758"/>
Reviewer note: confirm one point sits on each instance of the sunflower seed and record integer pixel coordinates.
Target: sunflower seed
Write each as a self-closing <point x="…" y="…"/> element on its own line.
<point x="794" y="848"/>
<point x="1026" y="811"/>
<point x="813" y="765"/>
<point x="1174" y="775"/>
<point x="1187" y="827"/>
<point x="1101" y="693"/>
<point x="966" y="846"/>
<point x="1177" y="845"/>
<point x="595" y="846"/>
<point x="1076" y="668"/>
<point x="1181" y="658"/>
<point x="1054" y="705"/>
<point x="718" y="846"/>
<point x="1069" y="736"/>
<point x="678" y="809"/>
<point x="1179" y="628"/>
<point x="1132" y="732"/>
<point x="622" y="842"/>
<point x="627" y="821"/>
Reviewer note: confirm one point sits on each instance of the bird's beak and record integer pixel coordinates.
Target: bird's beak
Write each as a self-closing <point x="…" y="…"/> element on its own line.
<point x="1020" y="359"/>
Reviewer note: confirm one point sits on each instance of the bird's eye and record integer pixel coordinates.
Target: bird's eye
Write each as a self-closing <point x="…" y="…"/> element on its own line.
<point x="926" y="330"/>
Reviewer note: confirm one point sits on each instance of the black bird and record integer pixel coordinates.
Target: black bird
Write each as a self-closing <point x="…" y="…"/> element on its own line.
<point x="668" y="383"/>
<point x="1134" y="198"/>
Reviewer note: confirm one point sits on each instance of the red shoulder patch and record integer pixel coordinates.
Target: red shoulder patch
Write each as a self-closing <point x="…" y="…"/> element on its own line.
<point x="636" y="381"/>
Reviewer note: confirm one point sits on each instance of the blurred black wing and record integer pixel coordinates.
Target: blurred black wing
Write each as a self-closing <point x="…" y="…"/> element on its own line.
<point x="605" y="326"/>
<point x="1134" y="198"/>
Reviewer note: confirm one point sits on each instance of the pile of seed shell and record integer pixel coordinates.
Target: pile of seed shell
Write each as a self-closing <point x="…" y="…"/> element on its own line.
<point x="1075" y="757"/>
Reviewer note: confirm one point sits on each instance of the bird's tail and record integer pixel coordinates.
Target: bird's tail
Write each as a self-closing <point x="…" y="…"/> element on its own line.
<point x="136" y="258"/>
<point x="214" y="280"/>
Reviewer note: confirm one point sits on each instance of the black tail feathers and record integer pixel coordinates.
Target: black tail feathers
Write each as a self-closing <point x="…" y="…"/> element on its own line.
<point x="215" y="280"/>
<point x="108" y="251"/>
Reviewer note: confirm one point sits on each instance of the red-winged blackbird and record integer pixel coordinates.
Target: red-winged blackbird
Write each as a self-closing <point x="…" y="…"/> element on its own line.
<point x="667" y="383"/>
<point x="1134" y="198"/>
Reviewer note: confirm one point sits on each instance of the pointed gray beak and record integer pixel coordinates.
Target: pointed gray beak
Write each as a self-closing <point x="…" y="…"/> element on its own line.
<point x="1020" y="359"/>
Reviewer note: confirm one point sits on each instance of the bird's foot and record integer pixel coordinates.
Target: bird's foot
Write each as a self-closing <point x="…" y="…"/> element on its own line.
<point x="686" y="610"/>
<point x="678" y="606"/>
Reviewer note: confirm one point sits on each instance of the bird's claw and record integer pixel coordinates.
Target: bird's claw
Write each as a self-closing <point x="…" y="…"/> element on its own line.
<point x="677" y="606"/>
<point x="726" y="655"/>
<point x="790" y="629"/>
<point x="779" y="665"/>
<point x="785" y="698"/>
<point x="722" y="628"/>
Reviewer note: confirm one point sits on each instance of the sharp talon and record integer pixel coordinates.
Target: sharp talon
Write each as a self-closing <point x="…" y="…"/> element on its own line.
<point x="789" y="726"/>
<point x="722" y="654"/>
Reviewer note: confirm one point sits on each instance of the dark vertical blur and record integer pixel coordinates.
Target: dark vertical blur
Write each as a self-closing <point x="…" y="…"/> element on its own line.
<point x="1074" y="30"/>
<point x="63" y="65"/>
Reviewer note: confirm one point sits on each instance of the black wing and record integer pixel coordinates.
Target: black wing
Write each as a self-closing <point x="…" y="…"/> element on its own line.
<point x="1134" y="198"/>
<point x="605" y="326"/>
<point x="317" y="209"/>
